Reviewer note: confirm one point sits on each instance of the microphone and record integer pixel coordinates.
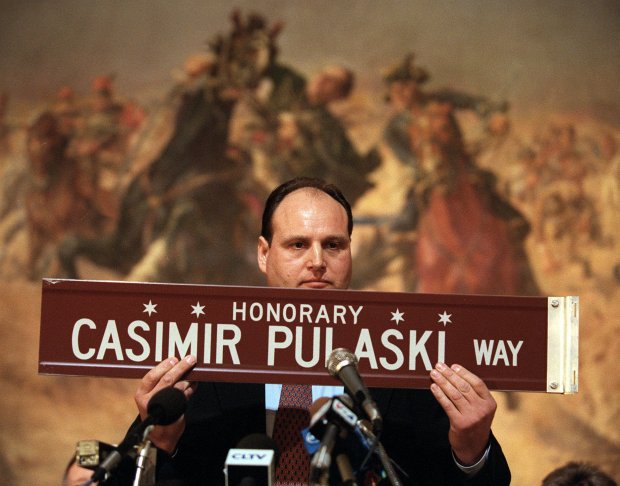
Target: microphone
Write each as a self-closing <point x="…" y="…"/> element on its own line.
<point x="342" y="364"/>
<point x="252" y="462"/>
<point x="90" y="453"/>
<point x="332" y="418"/>
<point x="164" y="408"/>
<point x="337" y="412"/>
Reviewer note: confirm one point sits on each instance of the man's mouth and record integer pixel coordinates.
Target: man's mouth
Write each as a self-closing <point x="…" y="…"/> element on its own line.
<point x="316" y="284"/>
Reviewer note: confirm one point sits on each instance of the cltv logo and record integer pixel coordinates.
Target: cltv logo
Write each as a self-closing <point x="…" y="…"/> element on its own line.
<point x="249" y="456"/>
<point x="253" y="457"/>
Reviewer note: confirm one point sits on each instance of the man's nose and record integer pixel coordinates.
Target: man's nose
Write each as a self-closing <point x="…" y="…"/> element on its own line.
<point x="316" y="259"/>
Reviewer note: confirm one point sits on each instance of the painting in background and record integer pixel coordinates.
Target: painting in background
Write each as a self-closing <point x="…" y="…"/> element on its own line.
<point x="478" y="143"/>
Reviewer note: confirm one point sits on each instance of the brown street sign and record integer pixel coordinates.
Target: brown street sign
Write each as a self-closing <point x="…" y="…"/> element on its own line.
<point x="276" y="335"/>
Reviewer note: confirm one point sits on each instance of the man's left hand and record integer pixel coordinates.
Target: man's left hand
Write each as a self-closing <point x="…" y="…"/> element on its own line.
<point x="470" y="408"/>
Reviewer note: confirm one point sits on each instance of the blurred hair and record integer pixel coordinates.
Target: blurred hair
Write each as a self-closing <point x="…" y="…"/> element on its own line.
<point x="578" y="474"/>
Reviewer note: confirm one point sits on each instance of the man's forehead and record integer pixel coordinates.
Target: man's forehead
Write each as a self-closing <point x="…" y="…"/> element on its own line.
<point x="301" y="193"/>
<point x="303" y="204"/>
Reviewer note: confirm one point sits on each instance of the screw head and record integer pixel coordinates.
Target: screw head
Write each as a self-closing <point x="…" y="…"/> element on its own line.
<point x="555" y="303"/>
<point x="553" y="385"/>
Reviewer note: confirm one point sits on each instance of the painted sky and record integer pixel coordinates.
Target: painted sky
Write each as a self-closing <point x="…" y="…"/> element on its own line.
<point x="557" y="54"/>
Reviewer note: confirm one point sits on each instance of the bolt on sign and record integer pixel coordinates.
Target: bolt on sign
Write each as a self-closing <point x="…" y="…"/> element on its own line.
<point x="278" y="335"/>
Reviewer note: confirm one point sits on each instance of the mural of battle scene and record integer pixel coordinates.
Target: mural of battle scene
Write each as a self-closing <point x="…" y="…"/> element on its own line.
<point x="480" y="153"/>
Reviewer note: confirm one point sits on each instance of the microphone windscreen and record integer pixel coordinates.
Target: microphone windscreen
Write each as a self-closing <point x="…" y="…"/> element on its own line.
<point x="338" y="358"/>
<point x="167" y="405"/>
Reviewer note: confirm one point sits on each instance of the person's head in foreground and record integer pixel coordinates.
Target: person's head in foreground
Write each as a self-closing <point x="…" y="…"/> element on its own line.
<point x="578" y="474"/>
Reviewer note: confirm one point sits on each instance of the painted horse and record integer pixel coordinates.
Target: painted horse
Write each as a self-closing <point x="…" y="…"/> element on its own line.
<point x="59" y="197"/>
<point x="470" y="240"/>
<point x="191" y="198"/>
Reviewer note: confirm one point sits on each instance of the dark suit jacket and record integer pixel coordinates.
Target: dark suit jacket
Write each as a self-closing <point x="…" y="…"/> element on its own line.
<point x="415" y="436"/>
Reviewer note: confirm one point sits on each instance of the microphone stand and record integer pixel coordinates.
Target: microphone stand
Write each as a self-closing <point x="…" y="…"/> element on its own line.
<point x="380" y="451"/>
<point x="142" y="461"/>
<point x="319" y="466"/>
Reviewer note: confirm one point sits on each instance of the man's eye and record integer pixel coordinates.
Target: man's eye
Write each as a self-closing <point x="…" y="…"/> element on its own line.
<point x="298" y="245"/>
<point x="333" y="245"/>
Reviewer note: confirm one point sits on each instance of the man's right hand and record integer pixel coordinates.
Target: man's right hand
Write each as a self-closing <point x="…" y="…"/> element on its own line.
<point x="167" y="373"/>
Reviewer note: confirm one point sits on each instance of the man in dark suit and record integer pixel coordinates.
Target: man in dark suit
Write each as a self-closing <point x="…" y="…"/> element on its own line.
<point x="438" y="437"/>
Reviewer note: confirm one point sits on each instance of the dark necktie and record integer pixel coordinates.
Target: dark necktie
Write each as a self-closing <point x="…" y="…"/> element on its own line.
<point x="292" y="416"/>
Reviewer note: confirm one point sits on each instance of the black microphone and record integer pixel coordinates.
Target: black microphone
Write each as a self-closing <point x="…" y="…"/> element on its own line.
<point x="342" y="364"/>
<point x="335" y="410"/>
<point x="338" y="411"/>
<point x="164" y="408"/>
<point x="331" y="419"/>
<point x="252" y="462"/>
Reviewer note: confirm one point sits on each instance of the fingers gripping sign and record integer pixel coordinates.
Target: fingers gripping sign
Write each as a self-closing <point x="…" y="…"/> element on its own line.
<point x="169" y="372"/>
<point x="470" y="407"/>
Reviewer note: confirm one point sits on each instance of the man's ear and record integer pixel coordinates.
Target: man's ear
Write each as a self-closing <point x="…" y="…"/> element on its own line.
<point x="262" y="254"/>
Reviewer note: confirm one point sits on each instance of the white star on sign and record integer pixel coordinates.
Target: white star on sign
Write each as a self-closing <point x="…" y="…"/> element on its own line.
<point x="198" y="309"/>
<point x="397" y="316"/>
<point x="150" y="308"/>
<point x="445" y="318"/>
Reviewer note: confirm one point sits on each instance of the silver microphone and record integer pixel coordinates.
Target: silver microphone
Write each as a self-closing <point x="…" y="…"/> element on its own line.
<point x="342" y="364"/>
